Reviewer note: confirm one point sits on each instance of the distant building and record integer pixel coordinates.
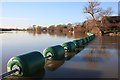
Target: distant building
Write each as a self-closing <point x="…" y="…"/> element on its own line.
<point x="110" y="21"/>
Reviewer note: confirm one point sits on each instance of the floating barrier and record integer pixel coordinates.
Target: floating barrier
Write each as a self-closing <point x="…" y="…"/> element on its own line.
<point x="55" y="52"/>
<point x="85" y="41"/>
<point x="26" y="64"/>
<point x="88" y="38"/>
<point x="78" y="43"/>
<point x="82" y="41"/>
<point x="69" y="46"/>
<point x="30" y="63"/>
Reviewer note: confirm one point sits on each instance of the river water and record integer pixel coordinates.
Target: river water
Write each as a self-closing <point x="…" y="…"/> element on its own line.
<point x="98" y="59"/>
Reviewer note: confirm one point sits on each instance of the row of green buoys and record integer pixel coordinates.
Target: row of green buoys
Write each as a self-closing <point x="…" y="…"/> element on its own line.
<point x="30" y="63"/>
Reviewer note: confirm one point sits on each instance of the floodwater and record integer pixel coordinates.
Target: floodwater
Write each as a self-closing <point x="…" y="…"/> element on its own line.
<point x="98" y="59"/>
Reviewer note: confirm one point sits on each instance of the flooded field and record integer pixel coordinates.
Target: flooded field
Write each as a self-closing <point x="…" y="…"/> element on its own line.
<point x="98" y="59"/>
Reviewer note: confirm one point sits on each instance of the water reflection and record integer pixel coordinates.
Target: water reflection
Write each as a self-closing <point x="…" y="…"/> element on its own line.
<point x="98" y="53"/>
<point x="69" y="55"/>
<point x="3" y="32"/>
<point x="52" y="33"/>
<point x="34" y="33"/>
<point x="97" y="59"/>
<point x="38" y="76"/>
<point x="59" y="33"/>
<point x="51" y="65"/>
<point x="95" y="55"/>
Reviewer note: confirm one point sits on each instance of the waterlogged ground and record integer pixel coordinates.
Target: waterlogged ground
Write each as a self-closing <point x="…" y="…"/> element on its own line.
<point x="98" y="59"/>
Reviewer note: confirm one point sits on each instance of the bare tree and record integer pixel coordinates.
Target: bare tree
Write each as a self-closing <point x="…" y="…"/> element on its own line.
<point x="92" y="8"/>
<point x="104" y="12"/>
<point x="95" y="11"/>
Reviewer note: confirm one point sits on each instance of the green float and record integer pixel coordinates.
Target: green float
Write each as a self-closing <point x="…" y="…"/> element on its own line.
<point x="85" y="40"/>
<point x="26" y="64"/>
<point x="55" y="52"/>
<point x="69" y="46"/>
<point x="88" y="38"/>
<point x="77" y="43"/>
<point x="82" y="41"/>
